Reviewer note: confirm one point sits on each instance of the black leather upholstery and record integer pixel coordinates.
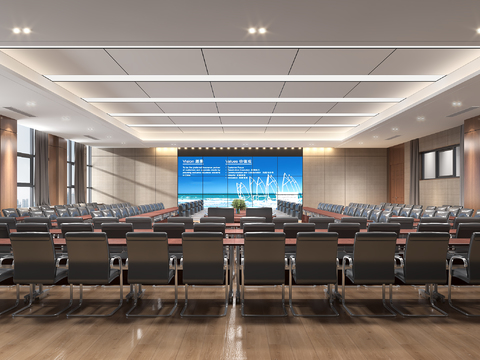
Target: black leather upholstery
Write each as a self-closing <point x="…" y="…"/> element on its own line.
<point x="405" y="222"/>
<point x="173" y="230"/>
<point x="98" y="221"/>
<point x="265" y="212"/>
<point x="385" y="227"/>
<point x="76" y="227"/>
<point x="280" y="220"/>
<point x="252" y="219"/>
<point x="116" y="230"/>
<point x="32" y="227"/>
<point x="354" y="219"/>
<point x="209" y="227"/>
<point x="140" y="222"/>
<point x="291" y="230"/>
<point x="344" y="230"/>
<point x="259" y="227"/>
<point x="38" y="220"/>
<point x="433" y="227"/>
<point x="466" y="230"/>
<point x="321" y="222"/>
<point x="188" y="221"/>
<point x="227" y="213"/>
<point x="66" y="220"/>
<point x="213" y="219"/>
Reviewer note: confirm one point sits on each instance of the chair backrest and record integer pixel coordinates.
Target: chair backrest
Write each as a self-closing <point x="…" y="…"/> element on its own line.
<point x="203" y="258"/>
<point x="373" y="258"/>
<point x="98" y="221"/>
<point x="433" y="227"/>
<point x="227" y="213"/>
<point x="354" y="219"/>
<point x="38" y="220"/>
<point x="10" y="221"/>
<point x="405" y="222"/>
<point x="321" y="222"/>
<point x="88" y="258"/>
<point x="264" y="258"/>
<point x="107" y="213"/>
<point x="148" y="259"/>
<point x="188" y="221"/>
<point x="385" y="227"/>
<point x="461" y="220"/>
<point x="209" y="227"/>
<point x="316" y="258"/>
<point x="32" y="227"/>
<point x="173" y="230"/>
<point x="259" y="227"/>
<point x="366" y="213"/>
<point x="291" y="230"/>
<point x="358" y="212"/>
<point x="351" y="211"/>
<point x="10" y="213"/>
<point x="67" y="220"/>
<point x="428" y="213"/>
<point x="416" y="213"/>
<point x="388" y="208"/>
<point x="344" y="230"/>
<point x="425" y="258"/>
<point x="466" y="213"/>
<point x="116" y="230"/>
<point x="4" y="231"/>
<point x="442" y="213"/>
<point x="36" y="213"/>
<point x="375" y="215"/>
<point x="23" y="211"/>
<point x="473" y="269"/>
<point x="76" y="227"/>
<point x="280" y="220"/>
<point x="251" y="219"/>
<point x="140" y="222"/>
<point x="465" y="230"/>
<point x="73" y="211"/>
<point x="417" y="206"/>
<point x="213" y="219"/>
<point x="265" y="212"/>
<point x="433" y="220"/>
<point x="34" y="255"/>
<point x="50" y="213"/>
<point x="431" y="208"/>
<point x="442" y="208"/>
<point x="62" y="212"/>
<point x="96" y="213"/>
<point x="405" y="211"/>
<point x="385" y="215"/>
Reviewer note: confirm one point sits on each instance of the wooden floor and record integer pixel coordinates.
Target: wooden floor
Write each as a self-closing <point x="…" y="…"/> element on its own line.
<point x="234" y="337"/>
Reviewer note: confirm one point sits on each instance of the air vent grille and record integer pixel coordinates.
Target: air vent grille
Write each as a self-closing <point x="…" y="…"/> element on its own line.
<point x="463" y="111"/>
<point x="393" y="137"/>
<point x="91" y="137"/>
<point x="18" y="111"/>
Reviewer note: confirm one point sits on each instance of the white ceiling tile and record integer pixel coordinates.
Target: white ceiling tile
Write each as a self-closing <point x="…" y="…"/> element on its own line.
<point x="159" y="131"/>
<point x="342" y="120"/>
<point x="200" y="120"/>
<point x="317" y="89"/>
<point x="160" y="61"/>
<point x="172" y="89"/>
<point x="360" y="107"/>
<point x="387" y="89"/>
<point x="425" y="61"/>
<point x="188" y="107"/>
<point x="209" y="130"/>
<point x="127" y="107"/>
<point x="327" y="130"/>
<point x="245" y="107"/>
<point x="294" y="120"/>
<point x="288" y="130"/>
<point x="90" y="89"/>
<point x="244" y="130"/>
<point x="338" y="61"/>
<point x="249" y="61"/>
<point x="303" y="107"/>
<point x="247" y="89"/>
<point x="245" y="120"/>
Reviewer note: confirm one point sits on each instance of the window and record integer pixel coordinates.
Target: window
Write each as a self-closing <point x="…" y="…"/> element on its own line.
<point x="25" y="166"/>
<point x="70" y="172"/>
<point x="441" y="163"/>
<point x="89" y="174"/>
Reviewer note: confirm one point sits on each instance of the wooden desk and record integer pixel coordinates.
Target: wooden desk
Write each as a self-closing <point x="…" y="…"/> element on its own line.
<point x="155" y="213"/>
<point x="324" y="213"/>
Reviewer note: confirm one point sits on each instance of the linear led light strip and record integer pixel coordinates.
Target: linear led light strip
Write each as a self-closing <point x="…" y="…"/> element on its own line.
<point x="243" y="100"/>
<point x="244" y="78"/>
<point x="243" y="125"/>
<point x="242" y="114"/>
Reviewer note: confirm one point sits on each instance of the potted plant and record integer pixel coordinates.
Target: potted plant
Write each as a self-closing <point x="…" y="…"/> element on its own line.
<point x="239" y="204"/>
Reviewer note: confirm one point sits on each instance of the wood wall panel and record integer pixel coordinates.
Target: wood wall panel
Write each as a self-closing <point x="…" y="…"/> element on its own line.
<point x="396" y="176"/>
<point x="8" y="163"/>
<point x="57" y="170"/>
<point x="472" y="163"/>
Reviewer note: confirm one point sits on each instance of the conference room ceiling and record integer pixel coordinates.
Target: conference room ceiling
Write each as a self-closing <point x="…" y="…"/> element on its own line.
<point x="232" y="88"/>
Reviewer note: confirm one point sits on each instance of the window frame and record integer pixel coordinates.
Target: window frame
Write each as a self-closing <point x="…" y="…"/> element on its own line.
<point x="89" y="174"/>
<point x="70" y="165"/>
<point x="31" y="183"/>
<point x="437" y="152"/>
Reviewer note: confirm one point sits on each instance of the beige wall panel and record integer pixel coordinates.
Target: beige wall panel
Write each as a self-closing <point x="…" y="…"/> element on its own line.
<point x="102" y="179"/>
<point x="313" y="180"/>
<point x="124" y="179"/>
<point x="441" y="139"/>
<point x="406" y="172"/>
<point x="166" y="180"/>
<point x="335" y="152"/>
<point x="440" y="192"/>
<point x="365" y="152"/>
<point x="355" y="179"/>
<point x="144" y="180"/>
<point x="376" y="180"/>
<point x="335" y="180"/>
<point x="307" y="152"/>
<point x="142" y="152"/>
<point x="102" y="152"/>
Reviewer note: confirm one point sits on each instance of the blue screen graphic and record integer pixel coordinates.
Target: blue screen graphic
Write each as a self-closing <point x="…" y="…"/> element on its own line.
<point x="260" y="181"/>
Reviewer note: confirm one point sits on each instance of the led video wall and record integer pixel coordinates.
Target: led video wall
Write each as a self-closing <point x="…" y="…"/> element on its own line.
<point x="259" y="180"/>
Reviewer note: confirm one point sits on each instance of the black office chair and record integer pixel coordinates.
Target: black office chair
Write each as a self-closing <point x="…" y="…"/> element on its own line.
<point x="280" y="220"/>
<point x="468" y="272"/>
<point x="117" y="230"/>
<point x="321" y="222"/>
<point x="424" y="262"/>
<point x="384" y="216"/>
<point x="204" y="263"/>
<point x="150" y="264"/>
<point x="90" y="263"/>
<point x="456" y="222"/>
<point x="466" y="230"/>
<point x="344" y="230"/>
<point x="372" y="263"/>
<point x="38" y="220"/>
<point x="385" y="227"/>
<point x="375" y="215"/>
<point x="252" y="219"/>
<point x="68" y="220"/>
<point x="213" y="219"/>
<point x="10" y="221"/>
<point x="32" y="227"/>
<point x="174" y="231"/>
<point x="228" y="213"/>
<point x="433" y="219"/>
<point x="355" y="219"/>
<point x="10" y="213"/>
<point x="140" y="222"/>
<point x="76" y="227"/>
<point x="263" y="262"/>
<point x="209" y="227"/>
<point x="4" y="275"/>
<point x="188" y="221"/>
<point x="98" y="221"/>
<point x="416" y="213"/>
<point x="259" y="227"/>
<point x="466" y="213"/>
<point x="405" y="212"/>
<point x="434" y="227"/>
<point x="405" y="222"/>
<point x="291" y="230"/>
<point x="265" y="212"/>
<point x="35" y="263"/>
<point x="315" y="263"/>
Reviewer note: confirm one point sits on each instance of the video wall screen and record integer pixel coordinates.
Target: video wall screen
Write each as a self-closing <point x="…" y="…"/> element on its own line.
<point x="259" y="180"/>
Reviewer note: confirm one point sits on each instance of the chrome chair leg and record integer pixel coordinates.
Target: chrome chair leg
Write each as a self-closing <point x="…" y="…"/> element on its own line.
<point x="70" y="313"/>
<point x="16" y="302"/>
<point x="34" y="295"/>
<point x="450" y="302"/>
<point x="430" y="291"/>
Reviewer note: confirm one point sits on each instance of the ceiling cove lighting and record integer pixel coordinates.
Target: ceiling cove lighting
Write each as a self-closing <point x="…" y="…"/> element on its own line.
<point x="244" y="125"/>
<point x="244" y="78"/>
<point x="243" y="100"/>
<point x="242" y="114"/>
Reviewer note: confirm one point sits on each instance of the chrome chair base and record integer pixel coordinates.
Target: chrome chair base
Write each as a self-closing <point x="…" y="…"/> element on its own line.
<point x="32" y="297"/>
<point x="70" y="313"/>
<point x="331" y="298"/>
<point x="137" y="291"/>
<point x="431" y="295"/>
<point x="392" y="313"/>
<point x="182" y="313"/>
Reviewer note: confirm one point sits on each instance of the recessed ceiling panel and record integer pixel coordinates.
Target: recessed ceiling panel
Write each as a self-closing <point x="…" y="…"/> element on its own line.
<point x="338" y="61"/>
<point x="247" y="89"/>
<point x="244" y="130"/>
<point x="176" y="90"/>
<point x="160" y="61"/>
<point x="327" y="130"/>
<point x="317" y="89"/>
<point x="375" y="89"/>
<point x="188" y="107"/>
<point x="245" y="107"/>
<point x="88" y="89"/>
<point x="289" y="130"/>
<point x="245" y="120"/>
<point x="210" y="130"/>
<point x="360" y="107"/>
<point x="127" y="107"/>
<point x="192" y="120"/>
<point x="249" y="61"/>
<point x="303" y="107"/>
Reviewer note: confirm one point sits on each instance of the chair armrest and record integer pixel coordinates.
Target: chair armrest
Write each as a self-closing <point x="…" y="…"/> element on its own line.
<point x="293" y="261"/>
<point x="400" y="260"/>
<point x="286" y="263"/>
<point x="5" y="257"/>
<point x="181" y="264"/>
<point x="172" y="262"/>
<point x="457" y="257"/>
<point x="347" y="258"/>
<point x="59" y="259"/>
<point x="112" y="260"/>
<point x="338" y="264"/>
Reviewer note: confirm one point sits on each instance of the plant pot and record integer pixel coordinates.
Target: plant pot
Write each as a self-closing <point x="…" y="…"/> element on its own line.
<point x="238" y="211"/>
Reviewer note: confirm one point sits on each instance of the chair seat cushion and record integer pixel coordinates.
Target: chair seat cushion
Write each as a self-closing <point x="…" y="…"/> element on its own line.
<point x="6" y="274"/>
<point x="400" y="274"/>
<point x="463" y="275"/>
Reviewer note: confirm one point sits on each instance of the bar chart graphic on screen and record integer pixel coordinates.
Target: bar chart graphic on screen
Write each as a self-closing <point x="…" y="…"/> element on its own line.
<point x="260" y="181"/>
